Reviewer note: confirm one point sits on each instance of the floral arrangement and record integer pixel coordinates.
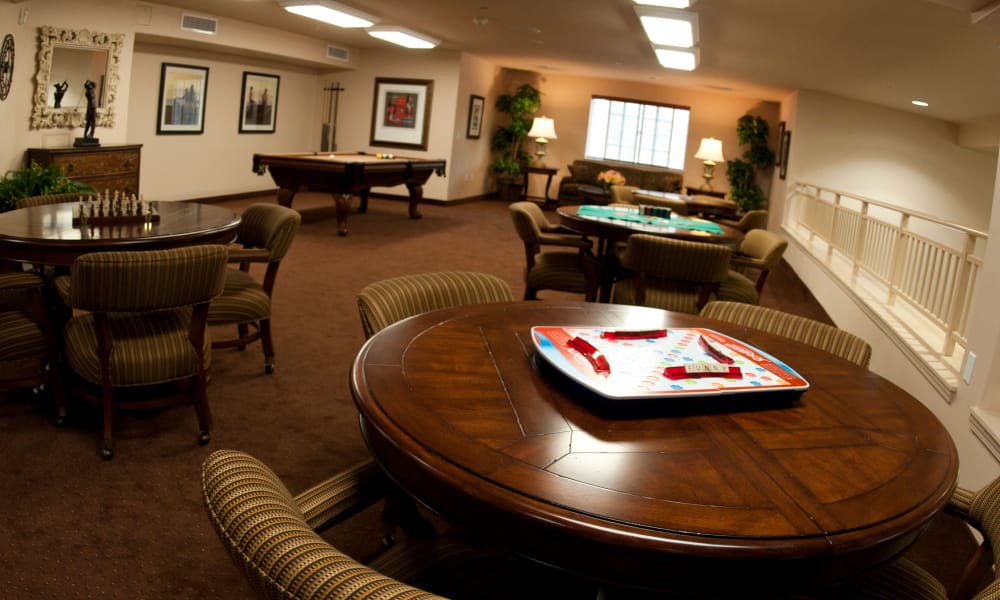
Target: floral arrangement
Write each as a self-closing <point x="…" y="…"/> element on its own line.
<point x="610" y="177"/>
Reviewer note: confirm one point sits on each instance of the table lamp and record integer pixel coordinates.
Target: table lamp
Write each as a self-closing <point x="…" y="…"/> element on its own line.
<point x="709" y="151"/>
<point x="543" y="129"/>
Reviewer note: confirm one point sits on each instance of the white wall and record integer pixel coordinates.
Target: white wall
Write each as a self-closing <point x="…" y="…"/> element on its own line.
<point x="911" y="161"/>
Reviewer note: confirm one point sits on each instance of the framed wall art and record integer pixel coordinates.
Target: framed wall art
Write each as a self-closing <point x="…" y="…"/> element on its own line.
<point x="781" y="141"/>
<point x="259" y="103"/>
<point x="182" y="99"/>
<point x="475" y="127"/>
<point x="401" y="113"/>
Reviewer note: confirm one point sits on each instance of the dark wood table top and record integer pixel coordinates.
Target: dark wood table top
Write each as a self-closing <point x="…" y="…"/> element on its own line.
<point x="744" y="493"/>
<point x="46" y="234"/>
<point x="619" y="231"/>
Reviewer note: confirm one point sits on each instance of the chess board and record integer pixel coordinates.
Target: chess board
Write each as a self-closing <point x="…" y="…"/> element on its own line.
<point x="657" y="366"/>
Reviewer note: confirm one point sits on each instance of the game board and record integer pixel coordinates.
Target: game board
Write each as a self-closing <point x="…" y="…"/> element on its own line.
<point x="621" y="364"/>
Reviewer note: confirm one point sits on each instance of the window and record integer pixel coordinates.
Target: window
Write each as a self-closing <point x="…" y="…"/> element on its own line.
<point x="637" y="132"/>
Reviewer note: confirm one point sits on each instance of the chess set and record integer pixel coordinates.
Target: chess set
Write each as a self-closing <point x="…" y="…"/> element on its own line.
<point x="114" y="209"/>
<point x="664" y="363"/>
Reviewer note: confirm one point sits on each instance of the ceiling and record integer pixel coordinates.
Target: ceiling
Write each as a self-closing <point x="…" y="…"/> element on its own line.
<point x="886" y="52"/>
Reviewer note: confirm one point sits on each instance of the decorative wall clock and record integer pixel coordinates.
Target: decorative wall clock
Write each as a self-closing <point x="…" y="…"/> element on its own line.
<point x="6" y="65"/>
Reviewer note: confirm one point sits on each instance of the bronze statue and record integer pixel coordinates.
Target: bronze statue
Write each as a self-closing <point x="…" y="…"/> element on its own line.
<point x="59" y="93"/>
<point x="90" y="117"/>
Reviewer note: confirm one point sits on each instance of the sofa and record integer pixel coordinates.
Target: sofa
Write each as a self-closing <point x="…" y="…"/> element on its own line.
<point x="584" y="172"/>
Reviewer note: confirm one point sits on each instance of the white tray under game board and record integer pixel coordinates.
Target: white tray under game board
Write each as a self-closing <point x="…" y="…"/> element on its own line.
<point x="637" y="366"/>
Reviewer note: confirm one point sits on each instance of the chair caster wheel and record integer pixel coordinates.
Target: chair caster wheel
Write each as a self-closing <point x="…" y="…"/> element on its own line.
<point x="60" y="420"/>
<point x="203" y="438"/>
<point x="107" y="453"/>
<point x="269" y="368"/>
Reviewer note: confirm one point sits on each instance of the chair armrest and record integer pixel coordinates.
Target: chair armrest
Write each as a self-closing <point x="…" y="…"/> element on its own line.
<point x="14" y="288"/>
<point x="558" y="239"/>
<point x="334" y="499"/>
<point x="244" y="255"/>
<point x="742" y="260"/>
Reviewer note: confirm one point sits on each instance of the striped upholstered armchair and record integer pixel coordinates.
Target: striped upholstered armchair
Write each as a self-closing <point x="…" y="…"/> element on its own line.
<point x="265" y="234"/>
<point x="572" y="268"/>
<point x="141" y="326"/>
<point x="29" y="356"/>
<point x="272" y="536"/>
<point x="801" y="329"/>
<point x="384" y="302"/>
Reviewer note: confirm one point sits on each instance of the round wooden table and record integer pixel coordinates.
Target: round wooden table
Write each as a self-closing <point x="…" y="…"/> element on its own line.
<point x="46" y="234"/>
<point x="704" y="495"/>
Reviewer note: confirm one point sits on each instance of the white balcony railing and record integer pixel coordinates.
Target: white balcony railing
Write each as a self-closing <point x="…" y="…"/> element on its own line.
<point x="919" y="268"/>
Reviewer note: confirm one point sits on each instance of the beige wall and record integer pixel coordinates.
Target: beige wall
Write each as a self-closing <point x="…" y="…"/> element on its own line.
<point x="915" y="162"/>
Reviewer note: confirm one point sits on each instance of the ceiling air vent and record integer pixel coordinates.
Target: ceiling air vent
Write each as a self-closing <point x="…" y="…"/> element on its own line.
<point x="199" y="24"/>
<point x="342" y="54"/>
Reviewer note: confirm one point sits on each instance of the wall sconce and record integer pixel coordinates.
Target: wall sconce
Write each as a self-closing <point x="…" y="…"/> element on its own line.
<point x="543" y="129"/>
<point x="709" y="151"/>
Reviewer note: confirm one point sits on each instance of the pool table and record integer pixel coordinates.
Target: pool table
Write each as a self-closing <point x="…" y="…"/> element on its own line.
<point x="344" y="174"/>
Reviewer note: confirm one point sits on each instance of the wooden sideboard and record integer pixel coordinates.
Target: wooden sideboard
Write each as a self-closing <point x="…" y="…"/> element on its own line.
<point x="112" y="168"/>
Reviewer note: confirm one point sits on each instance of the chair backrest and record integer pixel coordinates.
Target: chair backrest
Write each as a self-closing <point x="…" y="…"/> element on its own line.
<point x="382" y="303"/>
<point x="760" y="249"/>
<point x="143" y="280"/>
<point x="669" y="258"/>
<point x="801" y="329"/>
<point x="268" y="226"/>
<point x="622" y="194"/>
<point x="752" y="219"/>
<point x="529" y="221"/>
<point x="265" y="533"/>
<point x="49" y="199"/>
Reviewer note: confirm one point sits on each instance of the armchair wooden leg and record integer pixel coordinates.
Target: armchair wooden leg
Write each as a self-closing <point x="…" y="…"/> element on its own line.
<point x="267" y="345"/>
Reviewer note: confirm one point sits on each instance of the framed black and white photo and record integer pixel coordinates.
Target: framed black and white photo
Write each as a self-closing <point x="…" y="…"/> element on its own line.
<point x="259" y="103"/>
<point x="401" y="113"/>
<point x="475" y="126"/>
<point x="182" y="99"/>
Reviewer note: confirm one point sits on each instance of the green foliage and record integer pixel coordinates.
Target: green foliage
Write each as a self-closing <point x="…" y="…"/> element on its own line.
<point x="742" y="172"/>
<point x="36" y="180"/>
<point x="507" y="140"/>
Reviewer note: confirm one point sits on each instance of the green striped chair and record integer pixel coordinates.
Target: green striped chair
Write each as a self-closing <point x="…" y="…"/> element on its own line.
<point x="266" y="232"/>
<point x="29" y="355"/>
<point x="382" y="303"/>
<point x="272" y="537"/>
<point x="801" y="329"/>
<point x="140" y="325"/>
<point x="673" y="274"/>
<point x="574" y="271"/>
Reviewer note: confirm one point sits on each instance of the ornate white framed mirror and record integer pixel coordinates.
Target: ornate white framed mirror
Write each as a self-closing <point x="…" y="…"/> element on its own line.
<point x="67" y="58"/>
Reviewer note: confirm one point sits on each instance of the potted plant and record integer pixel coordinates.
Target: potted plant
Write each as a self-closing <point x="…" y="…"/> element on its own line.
<point x="508" y="139"/>
<point x="35" y="180"/>
<point x="742" y="172"/>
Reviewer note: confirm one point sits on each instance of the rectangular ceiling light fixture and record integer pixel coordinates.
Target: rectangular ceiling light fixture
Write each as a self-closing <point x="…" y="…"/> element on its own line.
<point x="668" y="26"/>
<point x="404" y="37"/>
<point x="677" y="58"/>
<point x="330" y="12"/>
<point x="665" y="3"/>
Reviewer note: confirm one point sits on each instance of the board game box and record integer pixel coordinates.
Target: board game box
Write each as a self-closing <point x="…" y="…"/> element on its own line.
<point x="677" y="362"/>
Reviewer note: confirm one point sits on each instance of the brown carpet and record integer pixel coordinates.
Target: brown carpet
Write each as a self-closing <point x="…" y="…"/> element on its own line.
<point x="75" y="526"/>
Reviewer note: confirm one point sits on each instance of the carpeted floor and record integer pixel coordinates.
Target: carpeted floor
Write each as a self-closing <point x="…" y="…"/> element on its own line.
<point x="75" y="526"/>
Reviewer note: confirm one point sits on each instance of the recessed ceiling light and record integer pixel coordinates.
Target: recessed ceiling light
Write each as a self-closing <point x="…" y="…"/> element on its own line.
<point x="403" y="37"/>
<point x="919" y="103"/>
<point x="669" y="27"/>
<point x="330" y="12"/>
<point x="665" y="3"/>
<point x="677" y="58"/>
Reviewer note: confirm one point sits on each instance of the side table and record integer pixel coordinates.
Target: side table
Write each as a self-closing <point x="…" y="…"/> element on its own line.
<point x="541" y="170"/>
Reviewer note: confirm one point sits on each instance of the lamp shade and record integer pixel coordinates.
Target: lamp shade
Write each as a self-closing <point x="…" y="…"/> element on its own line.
<point x="710" y="150"/>
<point x="543" y="128"/>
